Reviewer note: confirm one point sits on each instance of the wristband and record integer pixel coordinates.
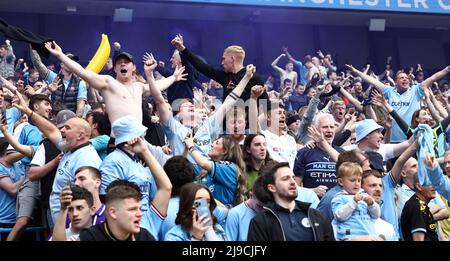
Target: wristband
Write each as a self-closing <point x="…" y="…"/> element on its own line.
<point x="191" y="149"/>
<point x="234" y="95"/>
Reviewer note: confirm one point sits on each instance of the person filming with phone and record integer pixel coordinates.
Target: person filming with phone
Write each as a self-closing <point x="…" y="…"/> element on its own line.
<point x="194" y="220"/>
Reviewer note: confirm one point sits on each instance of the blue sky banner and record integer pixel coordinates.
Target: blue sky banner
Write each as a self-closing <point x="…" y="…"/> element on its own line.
<point x="415" y="6"/>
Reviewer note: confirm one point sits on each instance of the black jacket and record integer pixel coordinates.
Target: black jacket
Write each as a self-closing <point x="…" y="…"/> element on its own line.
<point x="228" y="80"/>
<point x="19" y="34"/>
<point x="266" y="226"/>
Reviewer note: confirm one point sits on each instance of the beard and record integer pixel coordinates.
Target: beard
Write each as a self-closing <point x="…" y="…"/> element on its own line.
<point x="64" y="144"/>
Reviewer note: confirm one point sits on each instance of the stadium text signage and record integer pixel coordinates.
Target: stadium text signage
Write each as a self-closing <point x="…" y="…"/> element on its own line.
<point x="418" y="6"/>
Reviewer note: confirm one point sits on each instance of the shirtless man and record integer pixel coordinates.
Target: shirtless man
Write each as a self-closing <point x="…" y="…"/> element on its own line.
<point x="123" y="95"/>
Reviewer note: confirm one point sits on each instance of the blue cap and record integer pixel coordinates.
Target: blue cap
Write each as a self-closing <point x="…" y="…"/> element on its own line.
<point x="365" y="127"/>
<point x="126" y="128"/>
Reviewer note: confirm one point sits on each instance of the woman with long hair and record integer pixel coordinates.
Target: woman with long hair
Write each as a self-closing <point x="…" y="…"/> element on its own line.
<point x="194" y="221"/>
<point x="255" y="156"/>
<point x="224" y="172"/>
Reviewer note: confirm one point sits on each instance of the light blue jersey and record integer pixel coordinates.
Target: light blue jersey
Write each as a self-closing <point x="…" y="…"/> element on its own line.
<point x="82" y="90"/>
<point x="324" y="205"/>
<point x="172" y="211"/>
<point x="177" y="233"/>
<point x="302" y="72"/>
<point x="119" y="165"/>
<point x="205" y="133"/>
<point x="100" y="144"/>
<point x="30" y="135"/>
<point x="221" y="181"/>
<point x="359" y="223"/>
<point x="388" y="207"/>
<point x="84" y="155"/>
<point x="238" y="221"/>
<point x="440" y="181"/>
<point x="307" y="195"/>
<point x="152" y="220"/>
<point x="405" y="105"/>
<point x="169" y="221"/>
<point x="8" y="202"/>
<point x="12" y="116"/>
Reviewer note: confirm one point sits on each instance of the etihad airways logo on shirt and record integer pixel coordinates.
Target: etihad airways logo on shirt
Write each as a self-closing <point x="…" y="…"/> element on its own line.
<point x="400" y="104"/>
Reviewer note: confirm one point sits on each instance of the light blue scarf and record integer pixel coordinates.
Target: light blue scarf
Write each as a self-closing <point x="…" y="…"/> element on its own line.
<point x="426" y="148"/>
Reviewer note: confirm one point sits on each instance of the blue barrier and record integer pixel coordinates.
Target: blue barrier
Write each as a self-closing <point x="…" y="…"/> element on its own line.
<point x="36" y="230"/>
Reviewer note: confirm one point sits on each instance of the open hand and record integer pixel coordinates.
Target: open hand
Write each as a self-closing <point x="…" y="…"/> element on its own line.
<point x="315" y="135"/>
<point x="53" y="48"/>
<point x="22" y="105"/>
<point x="179" y="75"/>
<point x="55" y="84"/>
<point x="149" y="62"/>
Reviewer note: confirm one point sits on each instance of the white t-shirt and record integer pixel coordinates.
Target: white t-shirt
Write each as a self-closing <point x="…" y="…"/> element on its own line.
<point x="385" y="150"/>
<point x="281" y="148"/>
<point x="386" y="229"/>
<point x="39" y="156"/>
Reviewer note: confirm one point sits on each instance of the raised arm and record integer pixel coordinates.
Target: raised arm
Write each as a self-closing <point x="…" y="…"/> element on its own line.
<point x="22" y="149"/>
<point x="38" y="64"/>
<point x="275" y="66"/>
<point x="253" y="123"/>
<point x="202" y="161"/>
<point x="47" y="128"/>
<point x="198" y="63"/>
<point x="437" y="178"/>
<point x="165" y="83"/>
<point x="99" y="82"/>
<point x="352" y="99"/>
<point x="59" y="231"/>
<point x="290" y="57"/>
<point x="162" y="196"/>
<point x="379" y="85"/>
<point x="231" y="99"/>
<point x="430" y="104"/>
<point x="8" y="84"/>
<point x="163" y="109"/>
<point x="436" y="77"/>
<point x="438" y="105"/>
<point x="398" y="166"/>
<point x="302" y="131"/>
<point x="317" y="136"/>
<point x="379" y="100"/>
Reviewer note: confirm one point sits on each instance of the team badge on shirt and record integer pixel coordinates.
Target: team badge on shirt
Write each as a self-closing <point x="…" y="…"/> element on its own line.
<point x="305" y="222"/>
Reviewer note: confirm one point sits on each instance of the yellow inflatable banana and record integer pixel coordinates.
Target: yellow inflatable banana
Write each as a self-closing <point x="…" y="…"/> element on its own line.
<point x="101" y="56"/>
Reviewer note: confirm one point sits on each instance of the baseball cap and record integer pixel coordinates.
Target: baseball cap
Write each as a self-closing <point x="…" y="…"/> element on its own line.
<point x="63" y="116"/>
<point x="123" y="55"/>
<point x="365" y="127"/>
<point x="375" y="160"/>
<point x="72" y="56"/>
<point x="292" y="119"/>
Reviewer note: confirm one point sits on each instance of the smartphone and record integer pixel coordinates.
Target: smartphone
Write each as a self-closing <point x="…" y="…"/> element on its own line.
<point x="201" y="205"/>
<point x="3" y="113"/>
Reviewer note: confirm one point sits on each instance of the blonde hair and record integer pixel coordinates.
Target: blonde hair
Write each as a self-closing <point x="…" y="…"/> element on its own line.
<point x="348" y="169"/>
<point x="237" y="50"/>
